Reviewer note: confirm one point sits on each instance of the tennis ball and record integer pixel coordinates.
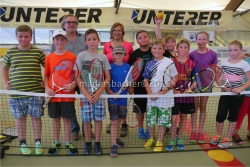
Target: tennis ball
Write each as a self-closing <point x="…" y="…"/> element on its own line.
<point x="160" y="15"/>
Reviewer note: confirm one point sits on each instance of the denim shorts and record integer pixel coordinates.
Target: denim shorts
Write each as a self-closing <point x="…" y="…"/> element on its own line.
<point x="116" y="111"/>
<point x="95" y="112"/>
<point x="33" y="105"/>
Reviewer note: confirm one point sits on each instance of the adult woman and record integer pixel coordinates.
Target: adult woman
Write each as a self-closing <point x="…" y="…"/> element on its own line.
<point x="116" y="38"/>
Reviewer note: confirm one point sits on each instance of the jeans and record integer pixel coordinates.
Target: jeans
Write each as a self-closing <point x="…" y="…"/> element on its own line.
<point x="75" y="128"/>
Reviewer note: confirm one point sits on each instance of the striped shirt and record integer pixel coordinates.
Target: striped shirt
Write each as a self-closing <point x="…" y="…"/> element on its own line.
<point x="25" y="69"/>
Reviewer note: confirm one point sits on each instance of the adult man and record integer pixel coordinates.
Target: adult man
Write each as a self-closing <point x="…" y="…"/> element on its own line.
<point x="75" y="45"/>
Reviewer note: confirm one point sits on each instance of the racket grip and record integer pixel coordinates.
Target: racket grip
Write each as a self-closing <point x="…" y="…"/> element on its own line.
<point x="46" y="102"/>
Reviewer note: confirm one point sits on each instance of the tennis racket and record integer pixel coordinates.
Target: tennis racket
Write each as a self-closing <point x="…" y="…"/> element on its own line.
<point x="65" y="74"/>
<point x="131" y="119"/>
<point x="166" y="78"/>
<point x="95" y="74"/>
<point x="8" y="134"/>
<point x="133" y="74"/>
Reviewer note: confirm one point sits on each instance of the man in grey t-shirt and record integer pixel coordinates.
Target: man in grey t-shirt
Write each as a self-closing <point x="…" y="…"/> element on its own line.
<point x="75" y="45"/>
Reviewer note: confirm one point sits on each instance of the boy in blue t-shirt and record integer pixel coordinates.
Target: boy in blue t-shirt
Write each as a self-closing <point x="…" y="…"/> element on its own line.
<point x="117" y="106"/>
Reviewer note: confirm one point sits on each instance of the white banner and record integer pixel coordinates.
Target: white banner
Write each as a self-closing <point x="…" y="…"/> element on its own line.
<point x="191" y="35"/>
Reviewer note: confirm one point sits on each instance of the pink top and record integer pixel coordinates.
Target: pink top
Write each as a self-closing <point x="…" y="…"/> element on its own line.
<point x="107" y="50"/>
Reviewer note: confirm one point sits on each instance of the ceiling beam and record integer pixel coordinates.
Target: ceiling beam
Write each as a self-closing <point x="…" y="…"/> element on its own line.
<point x="233" y="5"/>
<point x="118" y="6"/>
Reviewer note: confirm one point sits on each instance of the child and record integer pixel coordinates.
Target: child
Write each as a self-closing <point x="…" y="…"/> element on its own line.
<point x="183" y="105"/>
<point x="158" y="109"/>
<point x="244" y="109"/>
<point x="92" y="108"/>
<point x="171" y="53"/>
<point x="229" y="105"/>
<point x="202" y="57"/>
<point x="117" y="107"/>
<point x="60" y="107"/>
<point x="16" y="76"/>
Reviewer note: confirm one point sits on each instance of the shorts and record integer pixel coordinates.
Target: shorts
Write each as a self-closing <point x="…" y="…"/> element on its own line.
<point x="33" y="105"/>
<point x="116" y="111"/>
<point x="141" y="103"/>
<point x="63" y="109"/>
<point x="184" y="108"/>
<point x="229" y="107"/>
<point x="95" y="112"/>
<point x="160" y="116"/>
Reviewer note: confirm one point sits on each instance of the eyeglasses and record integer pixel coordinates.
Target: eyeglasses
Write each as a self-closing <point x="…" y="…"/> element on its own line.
<point x="71" y="22"/>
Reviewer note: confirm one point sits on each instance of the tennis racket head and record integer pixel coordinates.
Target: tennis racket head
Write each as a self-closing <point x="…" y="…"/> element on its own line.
<point x="184" y="77"/>
<point x="136" y="70"/>
<point x="133" y="110"/>
<point x="96" y="74"/>
<point x="9" y="134"/>
<point x="166" y="78"/>
<point x="204" y="79"/>
<point x="65" y="73"/>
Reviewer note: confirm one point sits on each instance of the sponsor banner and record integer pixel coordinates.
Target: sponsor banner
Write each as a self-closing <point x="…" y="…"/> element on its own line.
<point x="50" y="17"/>
<point x="191" y="36"/>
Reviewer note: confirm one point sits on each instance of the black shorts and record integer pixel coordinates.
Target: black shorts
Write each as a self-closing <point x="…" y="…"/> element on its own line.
<point x="184" y="108"/>
<point x="228" y="108"/>
<point x="116" y="111"/>
<point x="141" y="103"/>
<point x="63" y="109"/>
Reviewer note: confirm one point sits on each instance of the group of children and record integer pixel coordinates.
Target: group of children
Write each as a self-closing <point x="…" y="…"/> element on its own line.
<point x="162" y="111"/>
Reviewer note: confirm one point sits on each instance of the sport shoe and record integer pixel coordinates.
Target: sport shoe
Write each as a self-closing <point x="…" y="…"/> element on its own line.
<point x="147" y="134"/>
<point x="237" y="139"/>
<point x="141" y="133"/>
<point x="192" y="138"/>
<point x="201" y="138"/>
<point x="180" y="145"/>
<point x="54" y="148"/>
<point x="149" y="143"/>
<point x="119" y="142"/>
<point x="248" y="137"/>
<point x="108" y="128"/>
<point x="225" y="143"/>
<point x="114" y="150"/>
<point x="170" y="145"/>
<point x="24" y="149"/>
<point x="167" y="131"/>
<point x="215" y="140"/>
<point x="87" y="149"/>
<point x="124" y="130"/>
<point x="75" y="137"/>
<point x="71" y="149"/>
<point x="39" y="148"/>
<point x="98" y="149"/>
<point x="158" y="146"/>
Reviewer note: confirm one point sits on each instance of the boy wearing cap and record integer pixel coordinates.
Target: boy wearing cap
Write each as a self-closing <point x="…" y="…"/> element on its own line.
<point x="14" y="74"/>
<point x="117" y="106"/>
<point x="92" y="106"/>
<point x="60" y="107"/>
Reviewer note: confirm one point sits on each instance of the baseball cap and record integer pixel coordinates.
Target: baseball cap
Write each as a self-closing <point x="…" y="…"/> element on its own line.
<point x="59" y="32"/>
<point x="119" y="49"/>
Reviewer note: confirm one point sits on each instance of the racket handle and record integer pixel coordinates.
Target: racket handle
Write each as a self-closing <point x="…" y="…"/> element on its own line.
<point x="46" y="102"/>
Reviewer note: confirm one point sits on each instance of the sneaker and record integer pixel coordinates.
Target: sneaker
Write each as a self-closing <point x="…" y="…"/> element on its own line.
<point x="170" y="145"/>
<point x="192" y="138"/>
<point x="180" y="145"/>
<point x="108" y="128"/>
<point x="248" y="137"/>
<point x="141" y="133"/>
<point x="98" y="149"/>
<point x="87" y="149"/>
<point x="54" y="148"/>
<point x="114" y="150"/>
<point x="39" y="148"/>
<point x="215" y="140"/>
<point x="225" y="143"/>
<point x="237" y="139"/>
<point x="119" y="142"/>
<point x="24" y="149"/>
<point x="147" y="134"/>
<point x="158" y="146"/>
<point x="201" y="138"/>
<point x="149" y="143"/>
<point x="75" y="137"/>
<point x="124" y="130"/>
<point x="167" y="131"/>
<point x="71" y="149"/>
